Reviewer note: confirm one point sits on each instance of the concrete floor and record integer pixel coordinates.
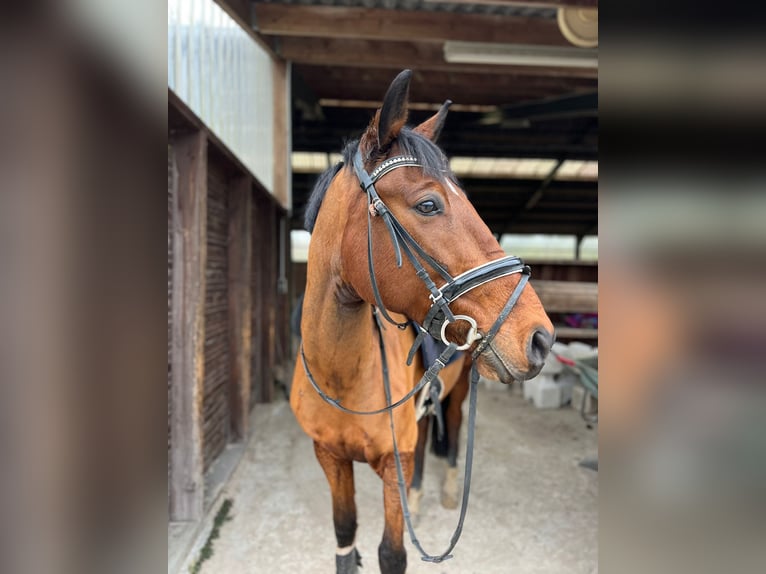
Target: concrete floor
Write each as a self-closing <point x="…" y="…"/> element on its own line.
<point x="532" y="508"/>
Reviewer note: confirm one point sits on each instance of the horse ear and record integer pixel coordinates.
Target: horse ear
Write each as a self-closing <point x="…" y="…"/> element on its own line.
<point x="432" y="127"/>
<point x="393" y="114"/>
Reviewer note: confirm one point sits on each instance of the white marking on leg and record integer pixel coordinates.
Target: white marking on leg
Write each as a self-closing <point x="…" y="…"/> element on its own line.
<point x="413" y="500"/>
<point x="346" y="550"/>
<point x="450" y="488"/>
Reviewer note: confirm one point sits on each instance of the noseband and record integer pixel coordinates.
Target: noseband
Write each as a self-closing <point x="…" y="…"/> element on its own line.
<point x="439" y="315"/>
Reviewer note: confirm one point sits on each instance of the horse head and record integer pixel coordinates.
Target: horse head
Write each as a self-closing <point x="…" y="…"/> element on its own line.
<point x="415" y="186"/>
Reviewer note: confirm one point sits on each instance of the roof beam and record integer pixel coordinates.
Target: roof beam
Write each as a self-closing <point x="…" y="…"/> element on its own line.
<point x="557" y="228"/>
<point x="421" y="26"/>
<point x="398" y="55"/>
<point x="341" y="82"/>
<point x="530" y="3"/>
<point x="495" y="202"/>
<point x="550" y="216"/>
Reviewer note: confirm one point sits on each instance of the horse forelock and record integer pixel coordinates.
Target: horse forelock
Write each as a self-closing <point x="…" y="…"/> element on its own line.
<point x="409" y="142"/>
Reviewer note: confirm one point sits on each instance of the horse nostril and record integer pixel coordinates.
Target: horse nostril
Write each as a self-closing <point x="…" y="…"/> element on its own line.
<point x="539" y="346"/>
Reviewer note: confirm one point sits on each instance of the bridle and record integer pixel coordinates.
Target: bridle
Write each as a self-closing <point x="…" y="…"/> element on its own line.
<point x="438" y="317"/>
<point x="439" y="314"/>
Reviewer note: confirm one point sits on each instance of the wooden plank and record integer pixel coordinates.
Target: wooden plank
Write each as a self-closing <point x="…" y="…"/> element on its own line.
<point x="397" y="55"/>
<point x="529" y="3"/>
<point x="567" y="296"/>
<point x="269" y="278"/>
<point x="569" y="270"/>
<point x="188" y="325"/>
<point x="264" y="298"/>
<point x="547" y="216"/>
<point x="257" y="303"/>
<point x="498" y="224"/>
<point x="240" y="12"/>
<point x="181" y="119"/>
<point x="216" y="404"/>
<point x="417" y="25"/>
<point x="284" y="357"/>
<point x="575" y="333"/>
<point x="240" y="305"/>
<point x="281" y="115"/>
<point x="432" y="87"/>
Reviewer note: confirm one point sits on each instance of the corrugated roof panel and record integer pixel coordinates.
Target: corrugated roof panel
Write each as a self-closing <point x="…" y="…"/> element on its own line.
<point x="433" y="6"/>
<point x="225" y="78"/>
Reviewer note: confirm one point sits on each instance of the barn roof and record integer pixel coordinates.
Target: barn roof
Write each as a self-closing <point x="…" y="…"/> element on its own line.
<point x="538" y="115"/>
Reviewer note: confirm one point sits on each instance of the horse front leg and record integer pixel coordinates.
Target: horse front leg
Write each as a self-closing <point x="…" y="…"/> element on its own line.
<point x="391" y="553"/>
<point x="453" y="419"/>
<point x="416" y="487"/>
<point x="340" y="476"/>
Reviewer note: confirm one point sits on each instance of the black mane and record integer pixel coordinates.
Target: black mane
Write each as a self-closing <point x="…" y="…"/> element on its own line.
<point x="434" y="162"/>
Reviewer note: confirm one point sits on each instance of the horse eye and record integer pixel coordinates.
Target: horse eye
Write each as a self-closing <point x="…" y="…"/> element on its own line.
<point x="428" y="207"/>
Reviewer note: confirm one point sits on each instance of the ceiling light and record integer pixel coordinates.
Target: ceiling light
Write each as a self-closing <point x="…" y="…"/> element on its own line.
<point x="579" y="25"/>
<point x="519" y="55"/>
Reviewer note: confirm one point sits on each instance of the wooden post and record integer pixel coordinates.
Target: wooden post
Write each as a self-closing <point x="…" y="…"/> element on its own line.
<point x="578" y="246"/>
<point x="256" y="299"/>
<point x="283" y="295"/>
<point x="264" y="286"/>
<point x="268" y="293"/>
<point x="282" y="178"/>
<point x="240" y="305"/>
<point x="189" y="207"/>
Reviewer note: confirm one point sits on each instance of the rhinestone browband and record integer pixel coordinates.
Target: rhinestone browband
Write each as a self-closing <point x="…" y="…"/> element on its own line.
<point x="394" y="162"/>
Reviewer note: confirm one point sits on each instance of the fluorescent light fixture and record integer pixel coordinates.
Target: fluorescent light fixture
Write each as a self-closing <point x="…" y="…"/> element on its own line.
<point x="519" y="55"/>
<point x="474" y="167"/>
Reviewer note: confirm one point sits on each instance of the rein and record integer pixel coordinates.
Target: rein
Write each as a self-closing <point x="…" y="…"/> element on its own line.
<point x="435" y="324"/>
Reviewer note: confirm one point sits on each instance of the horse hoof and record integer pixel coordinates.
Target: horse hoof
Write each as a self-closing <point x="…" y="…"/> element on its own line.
<point x="348" y="563"/>
<point x="449" y="502"/>
<point x="449" y="497"/>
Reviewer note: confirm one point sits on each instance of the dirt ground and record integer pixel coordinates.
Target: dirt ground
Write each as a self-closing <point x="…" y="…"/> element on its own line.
<point x="532" y="508"/>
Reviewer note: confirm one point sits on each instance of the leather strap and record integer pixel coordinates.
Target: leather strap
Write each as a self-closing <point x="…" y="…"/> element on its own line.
<point x="431" y="374"/>
<point x="509" y="305"/>
<point x="474" y="383"/>
<point x="466" y="477"/>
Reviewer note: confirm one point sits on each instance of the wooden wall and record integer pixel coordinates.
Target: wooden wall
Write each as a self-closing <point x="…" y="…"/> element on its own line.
<point x="225" y="313"/>
<point x="264" y="297"/>
<point x="216" y="419"/>
<point x="188" y="253"/>
<point x="170" y="295"/>
<point x="227" y="321"/>
<point x="283" y="347"/>
<point x="564" y="270"/>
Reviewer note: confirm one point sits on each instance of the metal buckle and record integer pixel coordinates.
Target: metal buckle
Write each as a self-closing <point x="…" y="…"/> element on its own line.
<point x="378" y="207"/>
<point x="473" y="332"/>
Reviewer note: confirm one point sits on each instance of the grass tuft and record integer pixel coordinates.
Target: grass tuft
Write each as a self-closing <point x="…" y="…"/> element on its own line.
<point x="207" y="550"/>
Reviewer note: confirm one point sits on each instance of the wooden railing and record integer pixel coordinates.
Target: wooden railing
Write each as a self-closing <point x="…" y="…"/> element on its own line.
<point x="559" y="297"/>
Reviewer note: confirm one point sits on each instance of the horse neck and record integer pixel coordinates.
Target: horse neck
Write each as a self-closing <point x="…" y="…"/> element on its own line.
<point x="331" y="331"/>
<point x="338" y="336"/>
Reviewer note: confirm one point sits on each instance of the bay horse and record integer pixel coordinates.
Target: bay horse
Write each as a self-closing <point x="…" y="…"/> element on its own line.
<point x="350" y="360"/>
